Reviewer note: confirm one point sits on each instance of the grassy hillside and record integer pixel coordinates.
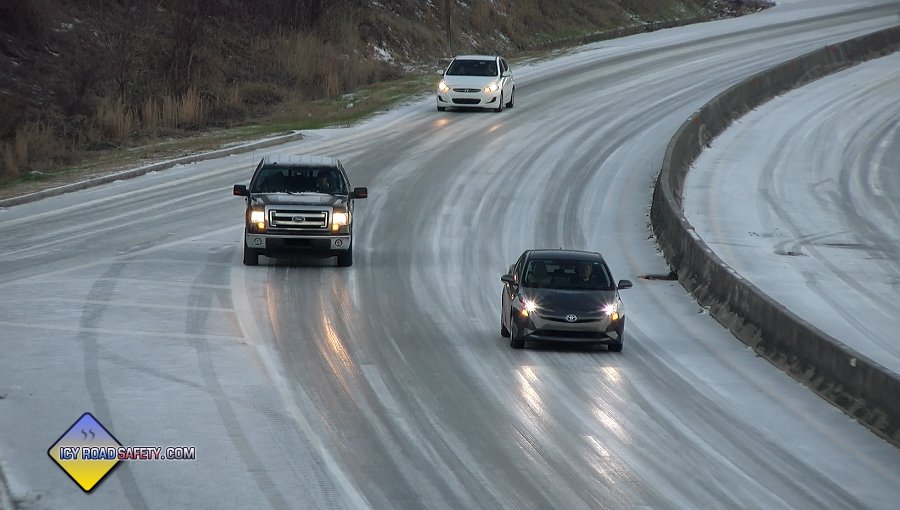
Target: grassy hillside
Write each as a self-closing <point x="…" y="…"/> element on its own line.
<point x="80" y="78"/>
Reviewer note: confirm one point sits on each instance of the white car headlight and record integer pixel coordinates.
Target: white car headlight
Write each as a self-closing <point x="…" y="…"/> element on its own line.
<point x="443" y="87"/>
<point x="493" y="87"/>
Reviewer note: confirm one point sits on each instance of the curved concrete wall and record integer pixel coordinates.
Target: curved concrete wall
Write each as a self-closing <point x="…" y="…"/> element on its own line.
<point x="858" y="385"/>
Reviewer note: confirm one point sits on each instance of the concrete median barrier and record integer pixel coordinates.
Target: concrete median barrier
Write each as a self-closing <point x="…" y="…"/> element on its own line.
<point x="860" y="386"/>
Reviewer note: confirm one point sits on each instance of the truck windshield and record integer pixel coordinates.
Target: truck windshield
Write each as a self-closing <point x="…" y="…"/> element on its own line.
<point x="299" y="179"/>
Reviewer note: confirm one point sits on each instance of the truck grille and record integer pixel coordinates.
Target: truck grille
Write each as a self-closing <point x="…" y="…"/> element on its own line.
<point x="298" y="219"/>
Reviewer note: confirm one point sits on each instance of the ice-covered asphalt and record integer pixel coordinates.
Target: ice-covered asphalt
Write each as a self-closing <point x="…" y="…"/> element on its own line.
<point x="387" y="385"/>
<point x="802" y="197"/>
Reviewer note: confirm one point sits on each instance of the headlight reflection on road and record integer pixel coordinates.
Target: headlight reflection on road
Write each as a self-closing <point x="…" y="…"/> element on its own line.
<point x="611" y="424"/>
<point x="607" y="466"/>
<point x="337" y="351"/>
<point x="612" y="374"/>
<point x="527" y="379"/>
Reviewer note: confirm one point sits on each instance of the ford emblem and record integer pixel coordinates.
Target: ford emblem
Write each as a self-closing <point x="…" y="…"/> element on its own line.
<point x="571" y="317"/>
<point x="298" y="219"/>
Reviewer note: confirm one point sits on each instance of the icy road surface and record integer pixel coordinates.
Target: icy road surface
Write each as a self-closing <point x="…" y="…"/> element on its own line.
<point x="802" y="198"/>
<point x="387" y="385"/>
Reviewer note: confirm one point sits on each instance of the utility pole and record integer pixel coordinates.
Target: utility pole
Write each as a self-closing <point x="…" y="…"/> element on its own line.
<point x="449" y="40"/>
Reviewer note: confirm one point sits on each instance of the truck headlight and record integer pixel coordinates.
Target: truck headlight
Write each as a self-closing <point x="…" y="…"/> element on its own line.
<point x="339" y="219"/>
<point x="258" y="218"/>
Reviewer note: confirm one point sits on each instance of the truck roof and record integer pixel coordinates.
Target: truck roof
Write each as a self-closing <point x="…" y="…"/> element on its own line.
<point x="304" y="160"/>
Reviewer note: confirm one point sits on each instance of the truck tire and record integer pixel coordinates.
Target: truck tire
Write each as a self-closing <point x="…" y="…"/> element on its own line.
<point x="346" y="259"/>
<point x="251" y="256"/>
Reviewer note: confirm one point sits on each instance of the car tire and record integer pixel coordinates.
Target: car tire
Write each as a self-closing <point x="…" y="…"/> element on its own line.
<point x="617" y="346"/>
<point x="512" y="98"/>
<point x="251" y="256"/>
<point x="515" y="341"/>
<point x="499" y="107"/>
<point x="503" y="331"/>
<point x="346" y="259"/>
<point x="441" y="108"/>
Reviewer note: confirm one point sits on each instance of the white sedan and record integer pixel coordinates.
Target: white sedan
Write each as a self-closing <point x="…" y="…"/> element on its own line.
<point x="476" y="81"/>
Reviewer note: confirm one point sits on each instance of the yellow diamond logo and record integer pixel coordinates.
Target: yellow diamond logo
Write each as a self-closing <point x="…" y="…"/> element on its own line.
<point x="87" y="452"/>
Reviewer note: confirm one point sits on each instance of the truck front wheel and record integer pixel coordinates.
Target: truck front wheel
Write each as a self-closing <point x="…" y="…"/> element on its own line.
<point x="251" y="256"/>
<point x="346" y="259"/>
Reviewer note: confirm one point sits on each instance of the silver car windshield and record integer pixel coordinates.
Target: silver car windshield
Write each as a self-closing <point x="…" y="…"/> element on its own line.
<point x="567" y="274"/>
<point x="299" y="179"/>
<point x="467" y="67"/>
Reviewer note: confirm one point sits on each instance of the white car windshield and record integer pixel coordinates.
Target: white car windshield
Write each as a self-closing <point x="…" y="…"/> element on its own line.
<point x="467" y="67"/>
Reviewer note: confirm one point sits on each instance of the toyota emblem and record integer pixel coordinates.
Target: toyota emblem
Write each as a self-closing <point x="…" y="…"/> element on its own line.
<point x="571" y="317"/>
<point x="298" y="219"/>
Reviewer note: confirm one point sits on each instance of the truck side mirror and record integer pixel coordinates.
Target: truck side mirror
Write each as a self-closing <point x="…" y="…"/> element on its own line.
<point x="359" y="193"/>
<point x="240" y="191"/>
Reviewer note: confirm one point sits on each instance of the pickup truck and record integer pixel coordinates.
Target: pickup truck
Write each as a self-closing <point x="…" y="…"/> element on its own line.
<point x="299" y="205"/>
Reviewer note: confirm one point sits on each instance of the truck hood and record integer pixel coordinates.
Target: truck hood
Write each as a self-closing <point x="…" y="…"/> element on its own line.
<point x="298" y="199"/>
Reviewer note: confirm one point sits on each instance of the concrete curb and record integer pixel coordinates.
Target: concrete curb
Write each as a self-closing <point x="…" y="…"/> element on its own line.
<point x="127" y="174"/>
<point x="858" y="385"/>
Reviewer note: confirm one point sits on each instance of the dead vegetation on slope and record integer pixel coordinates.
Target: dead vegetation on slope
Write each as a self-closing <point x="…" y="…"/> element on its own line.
<point x="82" y="77"/>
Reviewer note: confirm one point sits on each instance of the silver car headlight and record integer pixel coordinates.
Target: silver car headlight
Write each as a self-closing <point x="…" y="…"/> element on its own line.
<point x="528" y="306"/>
<point x="612" y="310"/>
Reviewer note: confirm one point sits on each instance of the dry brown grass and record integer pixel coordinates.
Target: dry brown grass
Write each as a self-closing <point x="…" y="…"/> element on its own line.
<point x="33" y="147"/>
<point x="150" y="117"/>
<point x="116" y="120"/>
<point x="190" y="110"/>
<point x="10" y="167"/>
<point x="233" y="97"/>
